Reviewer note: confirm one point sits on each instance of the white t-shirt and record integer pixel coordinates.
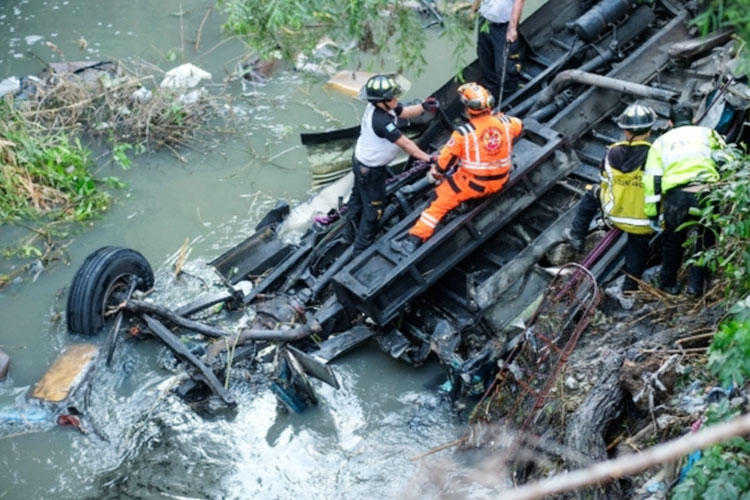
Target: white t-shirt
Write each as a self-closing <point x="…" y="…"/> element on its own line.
<point x="496" y="11"/>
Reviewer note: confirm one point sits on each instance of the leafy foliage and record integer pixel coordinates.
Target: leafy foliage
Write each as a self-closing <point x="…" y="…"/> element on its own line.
<point x="291" y="26"/>
<point x="44" y="174"/>
<point x="726" y="212"/>
<point x="729" y="354"/>
<point x="720" y="14"/>
<point x="723" y="471"/>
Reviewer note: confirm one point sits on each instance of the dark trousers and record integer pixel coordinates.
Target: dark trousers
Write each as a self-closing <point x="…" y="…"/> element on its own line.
<point x="677" y="205"/>
<point x="490" y="46"/>
<point x="636" y="247"/>
<point x="365" y="207"/>
<point x="587" y="209"/>
<point x="636" y="255"/>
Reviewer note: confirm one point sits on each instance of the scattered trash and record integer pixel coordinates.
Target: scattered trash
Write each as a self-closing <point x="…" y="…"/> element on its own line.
<point x="349" y="81"/>
<point x="10" y="86"/>
<point x="655" y="486"/>
<point x="14" y="419"/>
<point x="185" y="76"/>
<point x="691" y="460"/>
<point x="71" y="420"/>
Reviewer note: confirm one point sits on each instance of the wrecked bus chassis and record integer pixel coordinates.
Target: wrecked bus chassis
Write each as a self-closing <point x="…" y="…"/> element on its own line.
<point x="459" y="294"/>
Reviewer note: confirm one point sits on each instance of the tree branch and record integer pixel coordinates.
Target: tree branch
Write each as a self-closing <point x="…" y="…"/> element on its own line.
<point x="631" y="464"/>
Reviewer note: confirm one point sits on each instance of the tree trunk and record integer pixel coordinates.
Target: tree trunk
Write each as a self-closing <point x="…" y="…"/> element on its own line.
<point x="588" y="424"/>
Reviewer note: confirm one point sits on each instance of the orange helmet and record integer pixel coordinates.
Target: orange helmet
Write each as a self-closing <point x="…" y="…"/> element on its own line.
<point x="476" y="98"/>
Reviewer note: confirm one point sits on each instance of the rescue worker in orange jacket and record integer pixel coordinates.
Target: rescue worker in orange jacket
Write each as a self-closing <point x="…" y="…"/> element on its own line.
<point x="480" y="150"/>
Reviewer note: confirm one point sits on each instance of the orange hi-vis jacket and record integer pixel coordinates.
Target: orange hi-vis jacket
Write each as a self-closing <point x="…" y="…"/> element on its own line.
<point x="481" y="148"/>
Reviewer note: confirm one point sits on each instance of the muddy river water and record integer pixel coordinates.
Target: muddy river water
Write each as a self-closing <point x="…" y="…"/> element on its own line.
<point x="143" y="442"/>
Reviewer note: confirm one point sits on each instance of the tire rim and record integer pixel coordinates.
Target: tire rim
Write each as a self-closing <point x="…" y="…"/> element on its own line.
<point x="119" y="284"/>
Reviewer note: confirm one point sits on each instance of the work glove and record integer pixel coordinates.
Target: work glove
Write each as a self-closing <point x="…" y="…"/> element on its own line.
<point x="653" y="223"/>
<point x="431" y="104"/>
<point x="434" y="176"/>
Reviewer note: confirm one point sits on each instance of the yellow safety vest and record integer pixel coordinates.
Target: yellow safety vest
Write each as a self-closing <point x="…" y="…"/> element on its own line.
<point x="622" y="197"/>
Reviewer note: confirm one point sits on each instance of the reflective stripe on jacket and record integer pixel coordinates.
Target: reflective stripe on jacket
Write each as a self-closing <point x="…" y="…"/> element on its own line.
<point x="482" y="146"/>
<point x="679" y="157"/>
<point x="621" y="192"/>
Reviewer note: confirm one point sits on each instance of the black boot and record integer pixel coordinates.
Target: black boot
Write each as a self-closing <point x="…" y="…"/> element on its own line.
<point x="576" y="241"/>
<point x="670" y="288"/>
<point x="406" y="246"/>
<point x="349" y="233"/>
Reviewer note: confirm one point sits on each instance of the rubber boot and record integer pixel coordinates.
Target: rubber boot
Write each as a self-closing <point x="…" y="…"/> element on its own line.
<point x="576" y="241"/>
<point x="407" y="245"/>
<point x="349" y="233"/>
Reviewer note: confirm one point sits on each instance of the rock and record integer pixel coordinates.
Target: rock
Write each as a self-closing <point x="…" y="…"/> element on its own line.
<point x="186" y="76"/>
<point x="4" y="365"/>
<point x="571" y="384"/>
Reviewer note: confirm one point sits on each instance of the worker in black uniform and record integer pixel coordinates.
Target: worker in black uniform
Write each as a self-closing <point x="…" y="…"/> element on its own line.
<point x="378" y="144"/>
<point x="620" y="194"/>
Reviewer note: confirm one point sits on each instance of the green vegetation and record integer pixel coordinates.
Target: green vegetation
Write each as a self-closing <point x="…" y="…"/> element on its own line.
<point x="720" y="14"/>
<point x="726" y="212"/>
<point x="722" y="472"/>
<point x="44" y="175"/>
<point x="287" y="27"/>
<point x="729" y="354"/>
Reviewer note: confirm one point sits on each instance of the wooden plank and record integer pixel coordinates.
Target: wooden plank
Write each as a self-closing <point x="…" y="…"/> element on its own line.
<point x="66" y="373"/>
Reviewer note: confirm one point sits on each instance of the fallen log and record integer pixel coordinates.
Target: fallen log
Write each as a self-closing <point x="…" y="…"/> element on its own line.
<point x="588" y="425"/>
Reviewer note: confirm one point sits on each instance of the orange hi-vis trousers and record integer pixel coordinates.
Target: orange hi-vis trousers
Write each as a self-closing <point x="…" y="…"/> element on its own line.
<point x="454" y="190"/>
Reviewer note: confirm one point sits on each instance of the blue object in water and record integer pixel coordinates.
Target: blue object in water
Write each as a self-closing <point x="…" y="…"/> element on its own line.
<point x="13" y="417"/>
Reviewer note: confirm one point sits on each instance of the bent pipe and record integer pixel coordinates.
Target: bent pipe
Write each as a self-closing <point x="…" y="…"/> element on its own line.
<point x="571" y="76"/>
<point x="141" y="307"/>
<point x="251" y="335"/>
<point x="292" y="335"/>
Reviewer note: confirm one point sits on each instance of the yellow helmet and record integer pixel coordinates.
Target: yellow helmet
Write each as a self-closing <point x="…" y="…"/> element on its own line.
<point x="476" y="98"/>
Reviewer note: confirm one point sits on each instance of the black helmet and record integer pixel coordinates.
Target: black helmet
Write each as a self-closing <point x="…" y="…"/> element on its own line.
<point x="637" y="118"/>
<point x="681" y="114"/>
<point x="381" y="88"/>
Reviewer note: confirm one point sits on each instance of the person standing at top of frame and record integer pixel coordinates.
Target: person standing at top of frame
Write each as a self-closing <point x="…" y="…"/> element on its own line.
<point x="498" y="26"/>
<point x="378" y="144"/>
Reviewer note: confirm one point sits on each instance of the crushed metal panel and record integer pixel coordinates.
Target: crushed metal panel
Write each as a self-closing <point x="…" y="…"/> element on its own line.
<point x="338" y="344"/>
<point x="66" y="374"/>
<point x="315" y="367"/>
<point x="261" y="251"/>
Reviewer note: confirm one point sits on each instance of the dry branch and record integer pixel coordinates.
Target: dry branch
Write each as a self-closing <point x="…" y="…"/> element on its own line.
<point x="631" y="464"/>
